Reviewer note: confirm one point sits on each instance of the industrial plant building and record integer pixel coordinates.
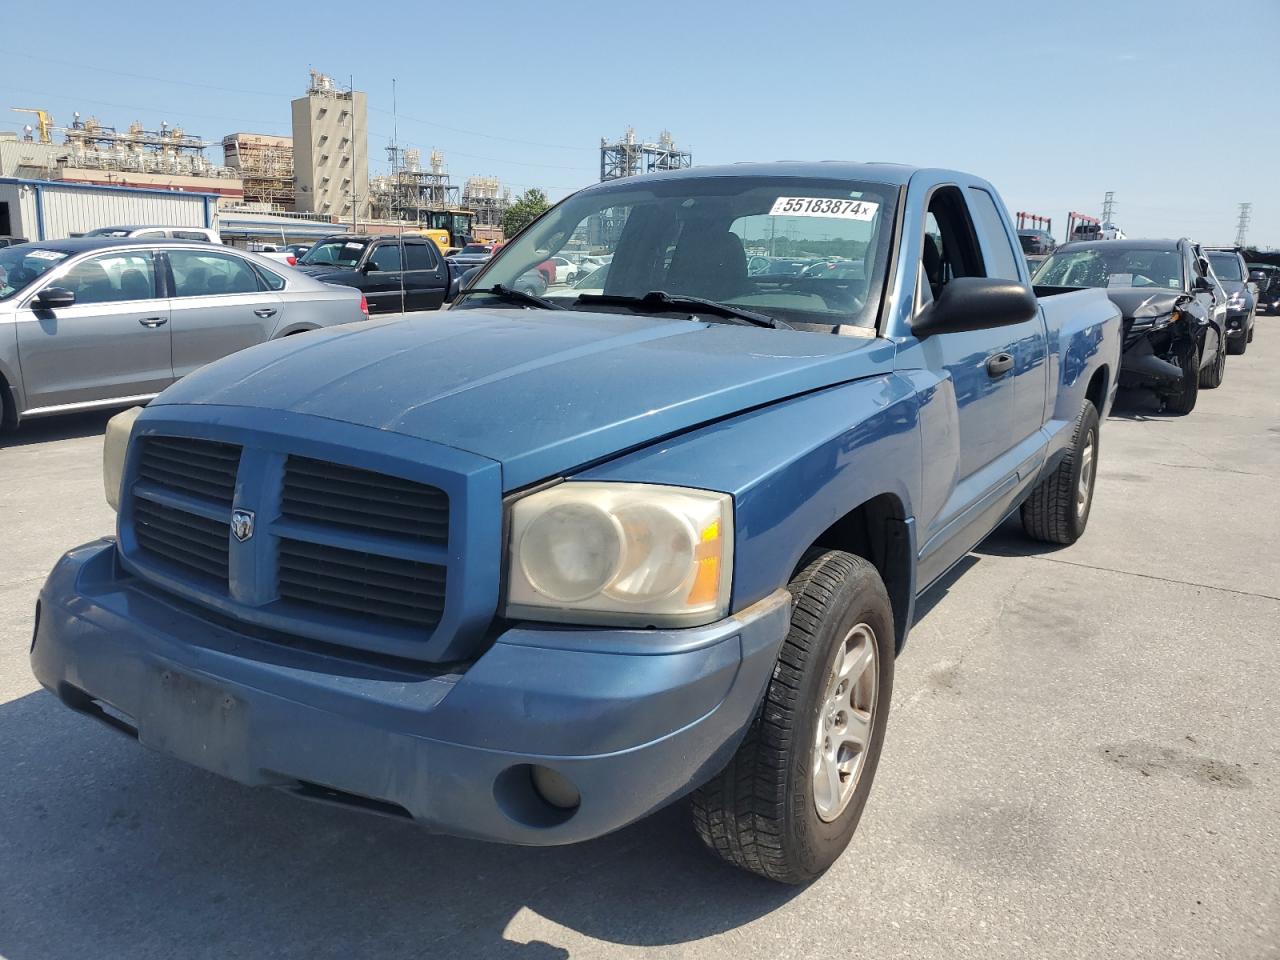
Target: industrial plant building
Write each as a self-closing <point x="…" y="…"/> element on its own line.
<point x="330" y="150"/>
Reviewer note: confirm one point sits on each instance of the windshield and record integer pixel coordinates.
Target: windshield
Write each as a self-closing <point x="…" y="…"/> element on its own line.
<point x="741" y="241"/>
<point x="474" y="248"/>
<point x="1111" y="267"/>
<point x="336" y="251"/>
<point x="20" y="265"/>
<point x="1226" y="266"/>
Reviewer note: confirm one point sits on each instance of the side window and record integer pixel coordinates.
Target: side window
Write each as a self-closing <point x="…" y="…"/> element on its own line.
<point x="997" y="252"/>
<point x="417" y="256"/>
<point x="386" y="257"/>
<point x="950" y="247"/>
<point x="149" y="234"/>
<point x="190" y="235"/>
<point x="200" y="274"/>
<point x="272" y="281"/>
<point x="112" y="278"/>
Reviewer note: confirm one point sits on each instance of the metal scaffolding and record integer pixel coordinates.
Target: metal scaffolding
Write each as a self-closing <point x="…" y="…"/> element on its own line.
<point x="628" y="157"/>
<point x="265" y="165"/>
<point x="409" y="192"/>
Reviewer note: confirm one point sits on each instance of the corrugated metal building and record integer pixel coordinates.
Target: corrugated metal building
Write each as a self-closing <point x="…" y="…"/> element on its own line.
<point x="54" y="209"/>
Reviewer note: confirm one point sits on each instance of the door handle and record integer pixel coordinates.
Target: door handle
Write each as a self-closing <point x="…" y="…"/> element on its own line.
<point x="999" y="364"/>
<point x="154" y="322"/>
<point x="265" y="312"/>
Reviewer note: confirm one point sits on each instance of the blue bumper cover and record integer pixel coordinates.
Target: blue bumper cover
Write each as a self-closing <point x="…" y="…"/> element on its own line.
<point x="632" y="718"/>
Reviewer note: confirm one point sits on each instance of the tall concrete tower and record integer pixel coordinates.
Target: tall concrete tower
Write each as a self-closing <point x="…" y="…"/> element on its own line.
<point x="330" y="150"/>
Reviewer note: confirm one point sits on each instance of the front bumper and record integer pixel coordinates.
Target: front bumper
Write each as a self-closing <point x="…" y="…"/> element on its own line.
<point x="1140" y="367"/>
<point x="632" y="718"/>
<point x="1237" y="324"/>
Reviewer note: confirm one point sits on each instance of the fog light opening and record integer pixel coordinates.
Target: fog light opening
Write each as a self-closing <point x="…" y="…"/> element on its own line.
<point x="536" y="796"/>
<point x="555" y="788"/>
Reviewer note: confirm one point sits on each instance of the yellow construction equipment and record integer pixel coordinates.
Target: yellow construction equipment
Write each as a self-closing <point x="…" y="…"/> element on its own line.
<point x="44" y="122"/>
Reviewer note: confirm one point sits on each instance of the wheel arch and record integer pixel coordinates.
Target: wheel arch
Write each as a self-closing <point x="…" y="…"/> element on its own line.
<point x="1096" y="392"/>
<point x="878" y="530"/>
<point x="8" y="403"/>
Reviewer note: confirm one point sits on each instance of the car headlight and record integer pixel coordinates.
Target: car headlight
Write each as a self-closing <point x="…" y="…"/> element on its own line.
<point x="115" y="444"/>
<point x="632" y="554"/>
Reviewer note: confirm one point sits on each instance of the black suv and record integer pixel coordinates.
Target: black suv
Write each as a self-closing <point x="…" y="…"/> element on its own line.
<point x="394" y="273"/>
<point x="1174" y="323"/>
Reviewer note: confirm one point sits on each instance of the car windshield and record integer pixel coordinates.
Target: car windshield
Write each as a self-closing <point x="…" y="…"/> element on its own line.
<point x="1107" y="266"/>
<point x="1226" y="266"/>
<point x="20" y="265"/>
<point x="474" y="248"/>
<point x="336" y="251"/>
<point x="740" y="241"/>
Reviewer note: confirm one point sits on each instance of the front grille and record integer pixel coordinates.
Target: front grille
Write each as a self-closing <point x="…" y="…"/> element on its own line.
<point x="362" y="584"/>
<point x="201" y="468"/>
<point x="316" y="491"/>
<point x="196" y="544"/>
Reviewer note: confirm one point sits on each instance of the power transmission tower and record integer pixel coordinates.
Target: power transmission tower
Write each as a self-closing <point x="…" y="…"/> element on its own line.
<point x="1108" y="207"/>
<point x="1242" y="225"/>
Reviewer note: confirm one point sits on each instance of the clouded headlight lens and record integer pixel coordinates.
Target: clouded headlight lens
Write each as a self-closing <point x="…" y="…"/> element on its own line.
<point x="626" y="553"/>
<point x="115" y="444"/>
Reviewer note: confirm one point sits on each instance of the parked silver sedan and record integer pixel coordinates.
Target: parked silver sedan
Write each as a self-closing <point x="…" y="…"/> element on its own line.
<point x="97" y="322"/>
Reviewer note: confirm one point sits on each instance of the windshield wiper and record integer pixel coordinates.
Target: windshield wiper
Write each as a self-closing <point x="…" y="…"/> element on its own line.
<point x="659" y="301"/>
<point x="512" y="295"/>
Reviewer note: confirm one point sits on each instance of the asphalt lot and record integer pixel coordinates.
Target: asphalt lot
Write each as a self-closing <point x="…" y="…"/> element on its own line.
<point x="1082" y="761"/>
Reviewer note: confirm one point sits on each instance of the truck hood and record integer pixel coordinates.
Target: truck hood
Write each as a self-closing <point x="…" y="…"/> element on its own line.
<point x="1232" y="286"/>
<point x="323" y="272"/>
<point x="539" y="391"/>
<point x="1139" y="302"/>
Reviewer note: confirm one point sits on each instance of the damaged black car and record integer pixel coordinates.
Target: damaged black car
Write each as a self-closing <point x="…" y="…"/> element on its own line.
<point x="1174" y="324"/>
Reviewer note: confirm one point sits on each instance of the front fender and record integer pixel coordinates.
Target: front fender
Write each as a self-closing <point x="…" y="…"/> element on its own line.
<point x="793" y="468"/>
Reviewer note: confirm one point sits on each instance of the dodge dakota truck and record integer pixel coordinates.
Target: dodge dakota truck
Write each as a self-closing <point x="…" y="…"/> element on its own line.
<point x="538" y="565"/>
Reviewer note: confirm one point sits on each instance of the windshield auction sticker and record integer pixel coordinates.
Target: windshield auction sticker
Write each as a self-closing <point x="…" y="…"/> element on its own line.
<point x="824" y="207"/>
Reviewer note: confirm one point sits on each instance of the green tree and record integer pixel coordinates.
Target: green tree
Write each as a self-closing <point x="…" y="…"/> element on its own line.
<point x="523" y="211"/>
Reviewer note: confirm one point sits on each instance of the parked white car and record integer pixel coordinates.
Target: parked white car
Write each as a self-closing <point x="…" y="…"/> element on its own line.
<point x="155" y="233"/>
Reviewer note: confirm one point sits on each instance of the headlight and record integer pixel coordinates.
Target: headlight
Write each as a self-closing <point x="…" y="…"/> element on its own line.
<point x="633" y="554"/>
<point x="115" y="443"/>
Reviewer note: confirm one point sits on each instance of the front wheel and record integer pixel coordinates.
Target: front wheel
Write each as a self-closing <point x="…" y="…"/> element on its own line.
<point x="1240" y="344"/>
<point x="787" y="804"/>
<point x="1057" y="510"/>
<point x="1182" y="400"/>
<point x="1212" y="378"/>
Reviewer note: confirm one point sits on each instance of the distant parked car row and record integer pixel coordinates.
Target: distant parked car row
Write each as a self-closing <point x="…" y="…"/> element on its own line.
<point x="1185" y="308"/>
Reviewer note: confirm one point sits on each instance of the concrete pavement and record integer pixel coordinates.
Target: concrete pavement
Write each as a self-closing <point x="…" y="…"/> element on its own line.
<point x="1082" y="761"/>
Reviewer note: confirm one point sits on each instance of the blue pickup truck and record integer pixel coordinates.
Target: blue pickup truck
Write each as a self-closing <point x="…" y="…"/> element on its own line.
<point x="533" y="567"/>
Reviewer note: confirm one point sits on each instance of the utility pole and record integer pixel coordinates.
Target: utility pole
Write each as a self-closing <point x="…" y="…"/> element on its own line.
<point x="351" y="113"/>
<point x="1108" y="207"/>
<point x="1242" y="225"/>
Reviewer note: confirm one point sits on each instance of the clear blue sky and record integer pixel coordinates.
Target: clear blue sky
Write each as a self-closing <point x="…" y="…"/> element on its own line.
<point x="1055" y="102"/>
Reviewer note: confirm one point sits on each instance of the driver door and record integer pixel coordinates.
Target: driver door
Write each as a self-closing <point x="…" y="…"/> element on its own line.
<point x="113" y="343"/>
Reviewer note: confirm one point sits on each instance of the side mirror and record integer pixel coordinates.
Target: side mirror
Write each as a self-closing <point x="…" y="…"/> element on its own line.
<point x="1202" y="285"/>
<point x="53" y="298"/>
<point x="975" y="303"/>
<point x="369" y="267"/>
<point x="455" y="288"/>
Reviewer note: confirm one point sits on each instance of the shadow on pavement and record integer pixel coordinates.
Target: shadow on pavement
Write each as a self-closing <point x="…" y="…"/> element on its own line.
<point x="1137" y="404"/>
<point x="111" y="850"/>
<point x="66" y="427"/>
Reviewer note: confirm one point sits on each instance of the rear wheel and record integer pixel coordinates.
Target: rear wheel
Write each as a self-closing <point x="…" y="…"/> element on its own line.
<point x="787" y="804"/>
<point x="1182" y="399"/>
<point x="1058" y="509"/>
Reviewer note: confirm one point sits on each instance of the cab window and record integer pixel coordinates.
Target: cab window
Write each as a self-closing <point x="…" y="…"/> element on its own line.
<point x="386" y="257"/>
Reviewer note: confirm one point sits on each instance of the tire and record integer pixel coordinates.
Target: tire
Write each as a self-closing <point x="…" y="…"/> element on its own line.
<point x="1239" y="346"/>
<point x="1057" y="511"/>
<point x="1211" y="378"/>
<point x="762" y="812"/>
<point x="1183" y="400"/>
<point x="1249" y="338"/>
